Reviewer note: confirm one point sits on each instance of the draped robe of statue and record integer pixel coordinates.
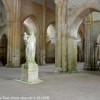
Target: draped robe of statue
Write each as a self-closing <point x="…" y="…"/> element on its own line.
<point x="30" y="41"/>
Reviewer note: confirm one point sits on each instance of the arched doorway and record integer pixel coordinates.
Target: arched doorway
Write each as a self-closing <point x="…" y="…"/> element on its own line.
<point x="50" y="44"/>
<point x="3" y="29"/>
<point x="3" y="50"/>
<point x="30" y="25"/>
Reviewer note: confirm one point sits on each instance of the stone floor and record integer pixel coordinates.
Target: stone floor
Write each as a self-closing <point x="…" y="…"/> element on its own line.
<point x="83" y="85"/>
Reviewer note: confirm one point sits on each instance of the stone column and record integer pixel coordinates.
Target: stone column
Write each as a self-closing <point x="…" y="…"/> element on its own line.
<point x="99" y="56"/>
<point x="64" y="53"/>
<point x="93" y="56"/>
<point x="90" y="49"/>
<point x="61" y="28"/>
<point x="96" y="58"/>
<point x="58" y="48"/>
<point x="87" y="47"/>
<point x="43" y="51"/>
<point x="83" y="47"/>
<point x="64" y="37"/>
<point x="38" y="49"/>
<point x="72" y="54"/>
<point x="99" y="52"/>
<point x="13" y="56"/>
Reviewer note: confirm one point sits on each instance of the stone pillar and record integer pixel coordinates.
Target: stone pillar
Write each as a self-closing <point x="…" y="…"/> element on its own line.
<point x="92" y="55"/>
<point x="66" y="46"/>
<point x="99" y="52"/>
<point x="90" y="49"/>
<point x="58" y="48"/>
<point x="87" y="48"/>
<point x="13" y="56"/>
<point x="96" y="58"/>
<point x="99" y="56"/>
<point x="61" y="28"/>
<point x="72" y="54"/>
<point x="43" y="60"/>
<point x="64" y="37"/>
<point x="83" y="47"/>
<point x="38" y="57"/>
<point x="64" y="54"/>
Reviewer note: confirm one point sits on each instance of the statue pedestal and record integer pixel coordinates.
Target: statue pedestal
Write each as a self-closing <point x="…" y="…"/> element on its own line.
<point x="30" y="73"/>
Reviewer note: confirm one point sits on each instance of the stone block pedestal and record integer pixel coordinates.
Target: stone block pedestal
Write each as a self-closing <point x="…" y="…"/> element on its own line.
<point x="30" y="73"/>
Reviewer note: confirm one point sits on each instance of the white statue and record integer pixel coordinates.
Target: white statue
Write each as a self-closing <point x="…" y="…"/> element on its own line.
<point x="30" y="42"/>
<point x="30" y="68"/>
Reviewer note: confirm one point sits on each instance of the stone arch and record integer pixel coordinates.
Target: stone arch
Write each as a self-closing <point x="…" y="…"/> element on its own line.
<point x="78" y="18"/>
<point x="35" y="21"/>
<point x="77" y="9"/>
<point x="73" y="25"/>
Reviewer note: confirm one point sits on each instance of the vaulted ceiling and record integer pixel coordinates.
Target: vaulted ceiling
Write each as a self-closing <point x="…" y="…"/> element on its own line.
<point x="50" y="4"/>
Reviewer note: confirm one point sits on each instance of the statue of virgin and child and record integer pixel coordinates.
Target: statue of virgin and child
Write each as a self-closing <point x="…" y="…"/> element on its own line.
<point x="30" y="68"/>
<point x="30" y="42"/>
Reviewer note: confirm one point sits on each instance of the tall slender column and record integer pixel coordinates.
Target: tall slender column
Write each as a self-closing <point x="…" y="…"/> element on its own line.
<point x="99" y="55"/>
<point x="44" y="33"/>
<point x="13" y="56"/>
<point x="83" y="47"/>
<point x="93" y="55"/>
<point x="63" y="37"/>
<point x="96" y="67"/>
<point x="58" y="48"/>
<point x="61" y="28"/>
<point x="87" y="47"/>
<point x="99" y="52"/>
